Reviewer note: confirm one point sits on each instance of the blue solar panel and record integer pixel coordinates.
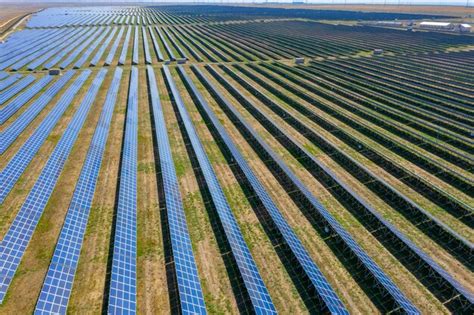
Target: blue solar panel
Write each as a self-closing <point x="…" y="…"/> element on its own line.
<point x="57" y="49"/>
<point x="123" y="54"/>
<point x="13" y="131"/>
<point x="156" y="45"/>
<point x="11" y="108"/>
<point x="180" y="50"/>
<point x="318" y="280"/>
<point x="102" y="49"/>
<point x="68" y="49"/>
<point x="88" y="39"/>
<point x="259" y="296"/>
<point x="21" y="230"/>
<point x="165" y="44"/>
<point x="45" y="50"/>
<point x="9" y="81"/>
<point x="81" y="62"/>
<point x="422" y="256"/>
<point x="123" y="283"/>
<point x="3" y="75"/>
<point x="371" y="266"/>
<point x="135" y="46"/>
<point x="189" y="287"/>
<point x="13" y="90"/>
<point x="31" y="49"/>
<point x="113" y="49"/>
<point x="57" y="286"/>
<point x="146" y="47"/>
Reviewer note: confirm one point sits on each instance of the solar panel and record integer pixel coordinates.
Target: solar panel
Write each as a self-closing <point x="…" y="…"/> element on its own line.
<point x="113" y="49"/>
<point x="435" y="270"/>
<point x="88" y="39"/>
<point x="11" y="108"/>
<point x="371" y="266"/>
<point x="47" y="47"/>
<point x="258" y="293"/>
<point x="123" y="54"/>
<point x="19" y="234"/>
<point x="146" y="47"/>
<point x="189" y="286"/>
<point x="155" y="44"/>
<point x="175" y="44"/>
<point x="13" y="131"/>
<point x="57" y="49"/>
<point x="13" y="90"/>
<point x="102" y="49"/>
<point x="57" y="286"/>
<point x="9" y="81"/>
<point x="165" y="44"/>
<point x="68" y="49"/>
<point x="16" y="56"/>
<point x="3" y="75"/>
<point x="318" y="280"/>
<point x="81" y="62"/>
<point x="123" y="291"/>
<point x="135" y="46"/>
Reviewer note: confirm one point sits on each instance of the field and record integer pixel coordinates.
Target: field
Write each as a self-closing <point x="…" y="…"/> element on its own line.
<point x="183" y="162"/>
<point x="412" y="9"/>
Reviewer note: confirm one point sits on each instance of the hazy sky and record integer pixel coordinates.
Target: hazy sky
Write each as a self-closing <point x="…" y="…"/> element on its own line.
<point x="444" y="2"/>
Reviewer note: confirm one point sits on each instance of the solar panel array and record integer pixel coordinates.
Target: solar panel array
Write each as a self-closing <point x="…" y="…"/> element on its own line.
<point x="415" y="250"/>
<point x="57" y="48"/>
<point x="318" y="280"/>
<point x="103" y="47"/>
<point x="258" y="293"/>
<point x="156" y="46"/>
<point x="13" y="90"/>
<point x="9" y="81"/>
<point x="113" y="49"/>
<point x="57" y="286"/>
<point x="82" y="60"/>
<point x="123" y="287"/>
<point x="165" y="44"/>
<point x="17" y="165"/>
<point x="146" y="47"/>
<point x="11" y="108"/>
<point x="123" y="54"/>
<point x="88" y="39"/>
<point x="19" y="234"/>
<point x="14" y="130"/>
<point x="365" y="259"/>
<point x="189" y="287"/>
<point x="135" y="46"/>
<point x="46" y="49"/>
<point x="75" y="44"/>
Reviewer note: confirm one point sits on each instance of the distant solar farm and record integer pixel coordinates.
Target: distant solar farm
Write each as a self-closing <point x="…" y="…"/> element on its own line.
<point x="222" y="160"/>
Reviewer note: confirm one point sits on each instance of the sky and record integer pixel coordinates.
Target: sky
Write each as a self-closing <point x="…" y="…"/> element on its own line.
<point x="404" y="2"/>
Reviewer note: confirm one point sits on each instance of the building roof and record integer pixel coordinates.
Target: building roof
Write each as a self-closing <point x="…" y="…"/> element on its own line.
<point x="436" y="23"/>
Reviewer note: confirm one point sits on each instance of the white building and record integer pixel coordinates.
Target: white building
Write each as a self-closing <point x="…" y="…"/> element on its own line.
<point x="464" y="28"/>
<point x="442" y="26"/>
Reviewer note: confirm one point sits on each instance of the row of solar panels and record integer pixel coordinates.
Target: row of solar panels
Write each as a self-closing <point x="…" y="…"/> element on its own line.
<point x="68" y="18"/>
<point x="451" y="240"/>
<point x="122" y="296"/>
<point x="443" y="285"/>
<point x="74" y="47"/>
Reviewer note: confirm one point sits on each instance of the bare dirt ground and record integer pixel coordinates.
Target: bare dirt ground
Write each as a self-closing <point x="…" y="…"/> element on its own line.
<point x="11" y="13"/>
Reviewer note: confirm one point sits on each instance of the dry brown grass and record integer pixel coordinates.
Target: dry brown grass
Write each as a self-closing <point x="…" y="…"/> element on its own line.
<point x="413" y="9"/>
